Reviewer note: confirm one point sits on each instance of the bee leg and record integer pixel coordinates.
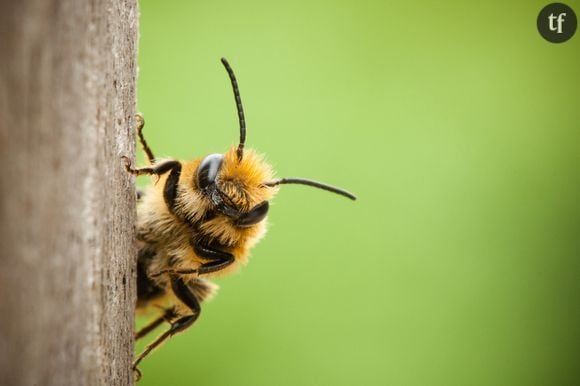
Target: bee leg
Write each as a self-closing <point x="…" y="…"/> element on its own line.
<point x="218" y="259"/>
<point x="140" y="125"/>
<point x="184" y="294"/>
<point x="216" y="265"/>
<point x="158" y="169"/>
<point x="170" y="188"/>
<point x="167" y="316"/>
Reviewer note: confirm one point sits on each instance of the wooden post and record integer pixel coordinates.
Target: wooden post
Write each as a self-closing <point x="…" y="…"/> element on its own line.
<point x="67" y="206"/>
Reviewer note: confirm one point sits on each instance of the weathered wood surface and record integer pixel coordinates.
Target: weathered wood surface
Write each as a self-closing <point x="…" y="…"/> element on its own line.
<point x="67" y="206"/>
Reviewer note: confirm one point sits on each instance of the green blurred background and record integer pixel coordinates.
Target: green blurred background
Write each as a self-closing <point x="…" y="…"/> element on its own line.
<point x="457" y="126"/>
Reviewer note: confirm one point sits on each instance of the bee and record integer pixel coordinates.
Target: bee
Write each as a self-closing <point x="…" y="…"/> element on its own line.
<point x="199" y="219"/>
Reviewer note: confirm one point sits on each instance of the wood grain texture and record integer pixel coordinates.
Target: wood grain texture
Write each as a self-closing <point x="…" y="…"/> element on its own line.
<point x="67" y="206"/>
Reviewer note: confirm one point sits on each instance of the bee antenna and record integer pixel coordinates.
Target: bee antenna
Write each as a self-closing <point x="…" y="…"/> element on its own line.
<point x="239" y="107"/>
<point x="314" y="184"/>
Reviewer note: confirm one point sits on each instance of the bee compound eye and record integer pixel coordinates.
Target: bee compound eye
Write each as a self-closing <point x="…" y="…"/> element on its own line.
<point x="254" y="216"/>
<point x="208" y="170"/>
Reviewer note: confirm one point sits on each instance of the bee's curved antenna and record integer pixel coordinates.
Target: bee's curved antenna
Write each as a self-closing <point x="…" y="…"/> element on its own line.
<point x="314" y="184"/>
<point x="239" y="107"/>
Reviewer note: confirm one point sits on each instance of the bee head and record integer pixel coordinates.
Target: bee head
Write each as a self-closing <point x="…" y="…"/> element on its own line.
<point x="239" y="183"/>
<point x="236" y="187"/>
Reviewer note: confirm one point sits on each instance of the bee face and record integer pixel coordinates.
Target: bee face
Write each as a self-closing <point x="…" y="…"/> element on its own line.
<point x="235" y="187"/>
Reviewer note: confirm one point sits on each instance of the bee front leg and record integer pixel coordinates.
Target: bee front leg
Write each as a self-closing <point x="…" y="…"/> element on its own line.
<point x="218" y="261"/>
<point x="184" y="294"/>
<point x="157" y="170"/>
